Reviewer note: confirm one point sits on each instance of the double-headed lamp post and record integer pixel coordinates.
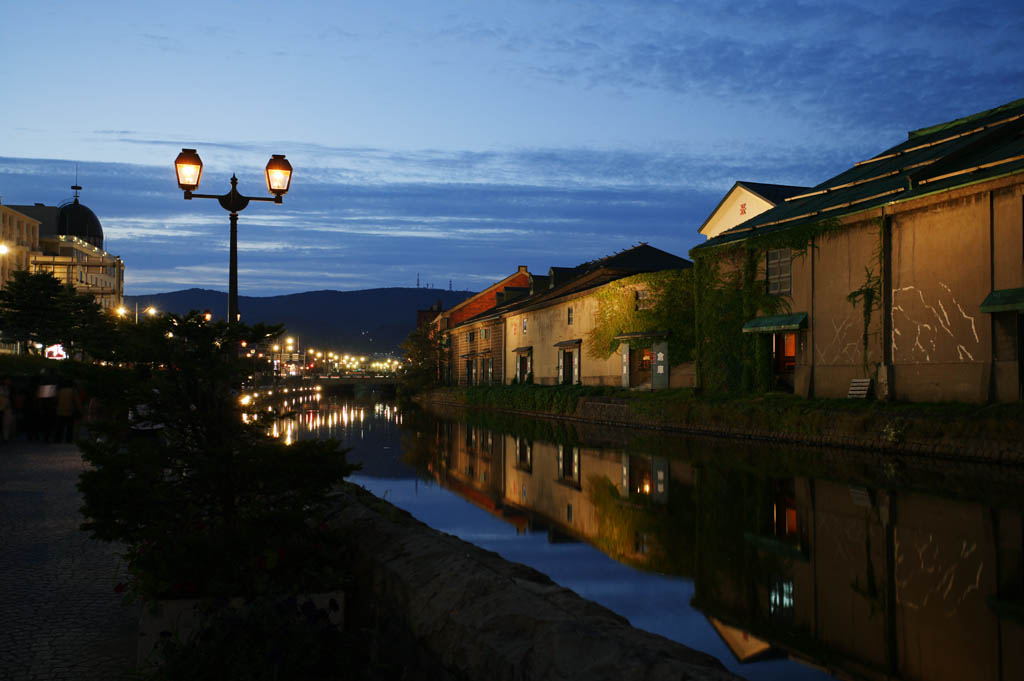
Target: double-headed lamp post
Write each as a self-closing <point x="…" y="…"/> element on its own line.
<point x="189" y="168"/>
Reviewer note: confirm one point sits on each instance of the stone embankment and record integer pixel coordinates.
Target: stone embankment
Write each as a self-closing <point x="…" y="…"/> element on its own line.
<point x="979" y="437"/>
<point x="445" y="609"/>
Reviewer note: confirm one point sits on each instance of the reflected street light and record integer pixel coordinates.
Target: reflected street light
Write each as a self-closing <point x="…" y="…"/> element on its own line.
<point x="189" y="169"/>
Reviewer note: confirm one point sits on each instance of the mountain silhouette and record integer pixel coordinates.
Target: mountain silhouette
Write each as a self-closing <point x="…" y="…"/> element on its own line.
<point x="368" y="321"/>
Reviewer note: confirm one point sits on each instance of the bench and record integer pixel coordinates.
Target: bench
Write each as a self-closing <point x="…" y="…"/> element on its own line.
<point x="860" y="388"/>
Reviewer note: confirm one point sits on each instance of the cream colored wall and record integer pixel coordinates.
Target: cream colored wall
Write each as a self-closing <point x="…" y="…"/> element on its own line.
<point x="728" y="214"/>
<point x="941" y="343"/>
<point x="548" y="326"/>
<point x="107" y="289"/>
<point x="20" y="234"/>
<point x="835" y="344"/>
<point x="1007" y="256"/>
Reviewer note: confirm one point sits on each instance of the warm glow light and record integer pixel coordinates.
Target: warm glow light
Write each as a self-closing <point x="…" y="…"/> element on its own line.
<point x="121" y="311"/>
<point x="3" y="249"/>
<point x="279" y="175"/>
<point x="151" y="311"/>
<point x="189" y="168"/>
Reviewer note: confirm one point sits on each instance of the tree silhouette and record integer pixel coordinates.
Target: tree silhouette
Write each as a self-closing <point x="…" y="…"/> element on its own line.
<point x="35" y="307"/>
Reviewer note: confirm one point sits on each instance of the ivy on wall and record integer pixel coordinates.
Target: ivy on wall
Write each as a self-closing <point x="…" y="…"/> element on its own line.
<point x="668" y="307"/>
<point x="869" y="297"/>
<point x="729" y="290"/>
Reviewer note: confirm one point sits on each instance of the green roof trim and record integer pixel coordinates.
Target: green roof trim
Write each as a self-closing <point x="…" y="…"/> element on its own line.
<point x="786" y="322"/>
<point x="1005" y="300"/>
<point x="965" y="119"/>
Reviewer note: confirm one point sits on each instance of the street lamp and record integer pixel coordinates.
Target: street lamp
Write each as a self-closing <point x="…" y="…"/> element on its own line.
<point x="189" y="169"/>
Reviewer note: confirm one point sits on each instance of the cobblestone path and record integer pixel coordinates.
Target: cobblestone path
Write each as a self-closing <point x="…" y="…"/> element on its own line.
<point x="59" y="615"/>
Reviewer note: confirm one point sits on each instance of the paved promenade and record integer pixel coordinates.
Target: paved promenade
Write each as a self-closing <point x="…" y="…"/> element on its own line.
<point x="59" y="615"/>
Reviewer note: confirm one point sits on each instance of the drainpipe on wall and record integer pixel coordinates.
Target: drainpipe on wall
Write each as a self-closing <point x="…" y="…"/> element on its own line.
<point x="886" y="376"/>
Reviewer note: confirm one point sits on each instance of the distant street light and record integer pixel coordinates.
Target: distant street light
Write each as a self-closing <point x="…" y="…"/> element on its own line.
<point x="189" y="169"/>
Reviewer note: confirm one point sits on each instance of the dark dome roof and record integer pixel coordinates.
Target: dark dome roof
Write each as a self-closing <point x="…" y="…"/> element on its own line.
<point x="75" y="219"/>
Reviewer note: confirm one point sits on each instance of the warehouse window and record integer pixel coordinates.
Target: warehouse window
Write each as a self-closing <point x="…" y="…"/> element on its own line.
<point x="779" y="271"/>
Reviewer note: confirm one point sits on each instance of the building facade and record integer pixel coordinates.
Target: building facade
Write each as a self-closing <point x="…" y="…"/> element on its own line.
<point x="19" y="242"/>
<point x="744" y="201"/>
<point x="69" y="244"/>
<point x="88" y="268"/>
<point x="907" y="269"/>
<point x="464" y="351"/>
<point x="549" y="337"/>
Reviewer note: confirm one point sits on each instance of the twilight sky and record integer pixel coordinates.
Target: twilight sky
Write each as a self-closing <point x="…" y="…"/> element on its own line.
<point x="459" y="139"/>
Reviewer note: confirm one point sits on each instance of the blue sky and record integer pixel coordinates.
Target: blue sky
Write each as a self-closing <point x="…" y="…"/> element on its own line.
<point x="459" y="139"/>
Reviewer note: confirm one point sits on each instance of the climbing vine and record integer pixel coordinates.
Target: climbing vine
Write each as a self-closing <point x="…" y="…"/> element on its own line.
<point x="729" y="290"/>
<point x="869" y="296"/>
<point x="668" y="308"/>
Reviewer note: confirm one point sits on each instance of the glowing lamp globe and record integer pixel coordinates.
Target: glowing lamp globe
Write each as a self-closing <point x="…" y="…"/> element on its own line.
<point x="279" y="175"/>
<point x="189" y="168"/>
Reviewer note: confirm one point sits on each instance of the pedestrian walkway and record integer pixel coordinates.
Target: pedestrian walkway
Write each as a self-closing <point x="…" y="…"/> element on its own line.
<point x="59" y="615"/>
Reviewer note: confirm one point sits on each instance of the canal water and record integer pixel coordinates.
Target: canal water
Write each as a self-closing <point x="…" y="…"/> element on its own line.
<point x="782" y="562"/>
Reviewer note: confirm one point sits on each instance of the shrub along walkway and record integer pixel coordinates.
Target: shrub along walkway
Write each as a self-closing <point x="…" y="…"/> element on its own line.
<point x="59" y="615"/>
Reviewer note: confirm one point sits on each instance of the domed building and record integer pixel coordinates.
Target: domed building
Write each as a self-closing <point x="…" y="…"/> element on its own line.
<point x="75" y="219"/>
<point x="70" y="246"/>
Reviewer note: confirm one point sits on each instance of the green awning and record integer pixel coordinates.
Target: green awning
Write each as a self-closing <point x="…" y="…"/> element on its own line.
<point x="786" y="322"/>
<point x="1005" y="300"/>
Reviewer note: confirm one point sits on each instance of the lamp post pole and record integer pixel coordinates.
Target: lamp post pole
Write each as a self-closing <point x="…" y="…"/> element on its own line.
<point x="189" y="169"/>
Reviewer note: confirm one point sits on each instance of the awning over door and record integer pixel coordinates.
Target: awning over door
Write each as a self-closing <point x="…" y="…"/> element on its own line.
<point x="523" y="348"/>
<point x="786" y="322"/>
<point x="569" y="343"/>
<point x="1004" y="300"/>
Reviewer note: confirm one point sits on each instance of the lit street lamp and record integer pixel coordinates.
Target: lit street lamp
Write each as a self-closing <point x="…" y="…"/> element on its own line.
<point x="189" y="169"/>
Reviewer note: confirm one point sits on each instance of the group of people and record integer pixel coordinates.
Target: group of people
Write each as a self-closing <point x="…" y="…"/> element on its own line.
<point x="43" y="407"/>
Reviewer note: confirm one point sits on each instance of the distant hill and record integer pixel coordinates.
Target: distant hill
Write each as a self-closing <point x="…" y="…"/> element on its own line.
<point x="368" y="321"/>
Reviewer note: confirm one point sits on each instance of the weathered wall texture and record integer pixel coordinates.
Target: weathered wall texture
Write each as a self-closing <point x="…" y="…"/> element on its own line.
<point x="836" y="335"/>
<point x="549" y="325"/>
<point x="450" y="610"/>
<point x="940" y="262"/>
<point x="948" y="252"/>
<point x="487" y="344"/>
<point x="1008" y="273"/>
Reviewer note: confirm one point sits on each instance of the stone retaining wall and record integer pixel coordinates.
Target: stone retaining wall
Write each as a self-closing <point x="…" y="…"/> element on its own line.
<point x="846" y="431"/>
<point x="445" y="609"/>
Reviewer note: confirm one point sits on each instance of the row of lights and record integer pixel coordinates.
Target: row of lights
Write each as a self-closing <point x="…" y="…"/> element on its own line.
<point x="248" y="398"/>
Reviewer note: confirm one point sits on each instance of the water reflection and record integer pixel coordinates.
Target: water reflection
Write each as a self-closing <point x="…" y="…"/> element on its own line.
<point x="870" y="567"/>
